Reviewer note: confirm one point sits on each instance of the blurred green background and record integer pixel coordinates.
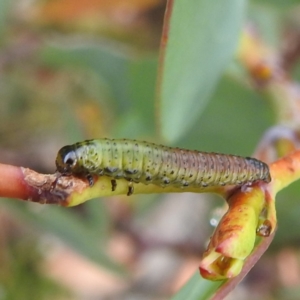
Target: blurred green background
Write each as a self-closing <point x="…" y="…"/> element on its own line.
<point x="71" y="71"/>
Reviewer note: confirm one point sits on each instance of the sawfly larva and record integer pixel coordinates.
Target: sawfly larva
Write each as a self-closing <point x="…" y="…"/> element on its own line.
<point x="143" y="162"/>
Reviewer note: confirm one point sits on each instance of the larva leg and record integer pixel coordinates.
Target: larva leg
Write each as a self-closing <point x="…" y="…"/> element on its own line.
<point x="130" y="188"/>
<point x="90" y="179"/>
<point x="113" y="185"/>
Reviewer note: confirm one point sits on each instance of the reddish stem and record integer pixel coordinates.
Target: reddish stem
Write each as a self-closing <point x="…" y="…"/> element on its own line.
<point x="12" y="183"/>
<point x="227" y="287"/>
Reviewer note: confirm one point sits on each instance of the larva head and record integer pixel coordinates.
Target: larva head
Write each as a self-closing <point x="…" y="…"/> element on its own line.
<point x="66" y="160"/>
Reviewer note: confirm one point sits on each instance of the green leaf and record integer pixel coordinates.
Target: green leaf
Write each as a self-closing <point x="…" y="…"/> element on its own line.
<point x="138" y="120"/>
<point x="5" y="6"/>
<point x="277" y="3"/>
<point x="201" y="40"/>
<point x="110" y="66"/>
<point x="81" y="236"/>
<point x="233" y="122"/>
<point x="197" y="288"/>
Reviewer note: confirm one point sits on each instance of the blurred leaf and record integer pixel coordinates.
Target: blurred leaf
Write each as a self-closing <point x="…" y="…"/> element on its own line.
<point x="201" y="39"/>
<point x="278" y="3"/>
<point x="21" y="262"/>
<point x="117" y="19"/>
<point x="232" y="122"/>
<point x="58" y="11"/>
<point x="71" y="229"/>
<point x="267" y="20"/>
<point x="197" y="288"/>
<point x="288" y="211"/>
<point x="142" y="77"/>
<point x="131" y="84"/>
<point x="98" y="218"/>
<point x="107" y="63"/>
<point x="139" y="120"/>
<point x="4" y="9"/>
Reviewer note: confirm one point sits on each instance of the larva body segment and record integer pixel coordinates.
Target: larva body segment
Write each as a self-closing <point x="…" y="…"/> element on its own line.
<point x="160" y="165"/>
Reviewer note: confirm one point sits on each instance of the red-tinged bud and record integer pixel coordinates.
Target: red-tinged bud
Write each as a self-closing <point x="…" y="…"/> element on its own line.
<point x="215" y="266"/>
<point x="236" y="233"/>
<point x="234" y="238"/>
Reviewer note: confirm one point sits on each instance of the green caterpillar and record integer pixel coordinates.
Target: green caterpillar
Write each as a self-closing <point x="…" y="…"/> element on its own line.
<point x="160" y="165"/>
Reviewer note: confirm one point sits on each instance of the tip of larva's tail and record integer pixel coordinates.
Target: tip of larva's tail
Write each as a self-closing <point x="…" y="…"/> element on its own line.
<point x="266" y="176"/>
<point x="266" y="172"/>
<point x="262" y="167"/>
